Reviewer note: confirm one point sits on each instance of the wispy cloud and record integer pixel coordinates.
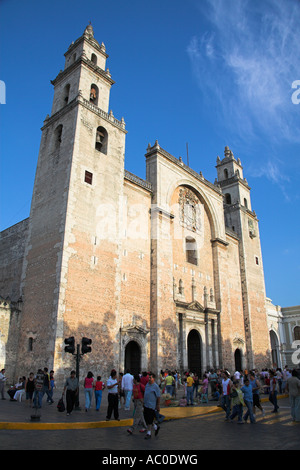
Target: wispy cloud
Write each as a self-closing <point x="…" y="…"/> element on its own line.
<point x="247" y="60"/>
<point x="271" y="169"/>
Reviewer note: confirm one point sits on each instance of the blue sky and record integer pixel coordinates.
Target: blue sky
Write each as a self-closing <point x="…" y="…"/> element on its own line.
<point x="209" y="73"/>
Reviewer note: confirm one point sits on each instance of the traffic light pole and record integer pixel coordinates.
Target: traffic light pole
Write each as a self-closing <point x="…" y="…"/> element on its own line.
<point x="85" y="348"/>
<point x="77" y="407"/>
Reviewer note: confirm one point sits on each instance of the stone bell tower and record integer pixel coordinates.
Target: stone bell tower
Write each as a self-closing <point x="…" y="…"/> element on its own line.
<point x="241" y="219"/>
<point x="74" y="218"/>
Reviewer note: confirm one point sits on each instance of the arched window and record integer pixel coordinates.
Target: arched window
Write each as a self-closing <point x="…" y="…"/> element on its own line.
<point x="94" y="59"/>
<point x="245" y="203"/>
<point x="101" y="140"/>
<point x="297" y="333"/>
<point x="94" y="92"/>
<point x="226" y="173"/>
<point x="228" y="198"/>
<point x="191" y="250"/>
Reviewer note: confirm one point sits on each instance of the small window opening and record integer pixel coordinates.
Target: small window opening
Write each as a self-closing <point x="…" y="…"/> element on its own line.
<point x="226" y="173"/>
<point x="58" y="137"/>
<point x="30" y="344"/>
<point x="94" y="59"/>
<point x="228" y="198"/>
<point x="88" y="177"/>
<point x="66" y="94"/>
<point x="191" y="250"/>
<point x="256" y="260"/>
<point x="245" y="203"/>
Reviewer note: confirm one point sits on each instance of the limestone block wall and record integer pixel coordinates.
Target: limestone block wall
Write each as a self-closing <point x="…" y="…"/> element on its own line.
<point x="10" y="313"/>
<point x="254" y="294"/>
<point x="12" y="247"/>
<point x="43" y="253"/>
<point x="89" y="298"/>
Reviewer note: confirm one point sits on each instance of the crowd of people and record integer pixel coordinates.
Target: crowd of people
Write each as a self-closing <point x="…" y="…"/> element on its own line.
<point x="233" y="392"/>
<point x="243" y="389"/>
<point x="32" y="387"/>
<point x="121" y="390"/>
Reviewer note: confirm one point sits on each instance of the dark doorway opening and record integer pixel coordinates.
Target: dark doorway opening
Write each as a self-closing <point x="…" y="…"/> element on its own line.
<point x="194" y="352"/>
<point x="133" y="358"/>
<point x="238" y="359"/>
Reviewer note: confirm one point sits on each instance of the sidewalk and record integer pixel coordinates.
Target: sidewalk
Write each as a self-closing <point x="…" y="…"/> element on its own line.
<point x="17" y="415"/>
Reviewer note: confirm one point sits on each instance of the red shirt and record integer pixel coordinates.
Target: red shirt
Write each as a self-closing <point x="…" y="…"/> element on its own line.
<point x="138" y="391"/>
<point x="99" y="385"/>
<point x="144" y="380"/>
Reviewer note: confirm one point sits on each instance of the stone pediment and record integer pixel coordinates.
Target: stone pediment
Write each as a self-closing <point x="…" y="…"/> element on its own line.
<point x="238" y="340"/>
<point x="195" y="306"/>
<point x="134" y="330"/>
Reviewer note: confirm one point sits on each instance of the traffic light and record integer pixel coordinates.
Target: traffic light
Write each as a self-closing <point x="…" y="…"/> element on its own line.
<point x="85" y="348"/>
<point x="70" y="348"/>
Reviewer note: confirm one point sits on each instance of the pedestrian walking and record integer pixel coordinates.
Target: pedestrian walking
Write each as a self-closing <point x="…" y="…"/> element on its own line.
<point x="273" y="391"/>
<point x="138" y="395"/>
<point x="293" y="387"/>
<point x="88" y="390"/>
<point x="29" y="388"/>
<point x="47" y="386"/>
<point x="237" y="402"/>
<point x="151" y="404"/>
<point x="38" y="389"/>
<point x="52" y="384"/>
<point x="169" y="382"/>
<point x="112" y="387"/>
<point x="99" y="386"/>
<point x="127" y="386"/>
<point x="72" y="389"/>
<point x="254" y="382"/>
<point x="189" y="390"/>
<point x="248" y="399"/>
<point x="196" y="385"/>
<point x="226" y="390"/>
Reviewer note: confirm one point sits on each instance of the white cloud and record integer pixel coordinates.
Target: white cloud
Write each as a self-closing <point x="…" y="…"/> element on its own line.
<point x="247" y="60"/>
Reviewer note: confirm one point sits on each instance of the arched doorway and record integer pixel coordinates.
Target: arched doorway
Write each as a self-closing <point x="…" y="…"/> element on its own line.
<point x="238" y="359"/>
<point x="133" y="357"/>
<point x="194" y="351"/>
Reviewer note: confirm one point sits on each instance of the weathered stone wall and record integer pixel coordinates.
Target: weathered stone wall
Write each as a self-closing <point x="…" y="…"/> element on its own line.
<point x="12" y="247"/>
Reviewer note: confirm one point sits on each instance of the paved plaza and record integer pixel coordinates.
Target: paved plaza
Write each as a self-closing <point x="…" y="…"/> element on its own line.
<point x="184" y="429"/>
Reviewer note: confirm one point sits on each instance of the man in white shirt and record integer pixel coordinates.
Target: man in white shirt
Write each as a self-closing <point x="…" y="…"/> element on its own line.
<point x="112" y="387"/>
<point x="226" y="390"/>
<point x="237" y="375"/>
<point x="127" y="386"/>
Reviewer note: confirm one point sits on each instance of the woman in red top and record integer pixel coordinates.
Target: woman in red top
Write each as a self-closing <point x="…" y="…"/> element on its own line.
<point x="138" y="396"/>
<point x="99" y="386"/>
<point x="88" y="390"/>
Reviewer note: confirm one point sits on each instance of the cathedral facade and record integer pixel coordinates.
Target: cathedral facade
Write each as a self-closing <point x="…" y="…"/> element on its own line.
<point x="159" y="273"/>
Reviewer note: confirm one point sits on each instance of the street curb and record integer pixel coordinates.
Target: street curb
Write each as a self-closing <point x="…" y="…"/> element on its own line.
<point x="170" y="414"/>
